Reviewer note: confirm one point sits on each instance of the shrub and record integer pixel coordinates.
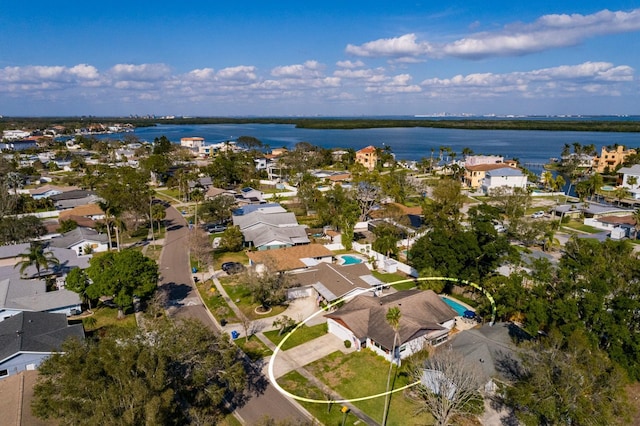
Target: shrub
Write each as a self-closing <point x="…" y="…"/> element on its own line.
<point x="347" y="344"/>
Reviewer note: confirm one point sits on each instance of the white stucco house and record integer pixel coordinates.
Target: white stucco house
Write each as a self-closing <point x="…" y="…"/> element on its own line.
<point x="82" y="240"/>
<point x="504" y="177"/>
<point x="425" y="320"/>
<point x="630" y="179"/>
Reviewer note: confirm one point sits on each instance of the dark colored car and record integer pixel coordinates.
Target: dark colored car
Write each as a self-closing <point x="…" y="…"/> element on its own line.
<point x="232" y="267"/>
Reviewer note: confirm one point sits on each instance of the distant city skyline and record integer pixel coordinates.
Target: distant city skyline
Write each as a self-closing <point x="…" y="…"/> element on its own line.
<point x="325" y="58"/>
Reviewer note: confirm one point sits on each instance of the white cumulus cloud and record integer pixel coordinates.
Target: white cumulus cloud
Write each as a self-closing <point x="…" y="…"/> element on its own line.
<point x="403" y="46"/>
<point x="547" y="32"/>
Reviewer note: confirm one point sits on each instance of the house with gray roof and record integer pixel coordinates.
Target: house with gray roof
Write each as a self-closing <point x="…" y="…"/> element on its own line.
<point x="269" y="226"/>
<point x="80" y="240"/>
<point x="21" y="295"/>
<point x="29" y="337"/>
<point x="74" y="198"/>
<point x="425" y="320"/>
<point x="491" y="350"/>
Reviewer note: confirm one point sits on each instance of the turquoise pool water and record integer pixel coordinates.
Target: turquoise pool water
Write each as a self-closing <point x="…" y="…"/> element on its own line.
<point x="455" y="305"/>
<point x="350" y="260"/>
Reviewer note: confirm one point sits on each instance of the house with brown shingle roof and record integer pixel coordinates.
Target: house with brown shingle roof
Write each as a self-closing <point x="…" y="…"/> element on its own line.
<point x="330" y="282"/>
<point x="425" y="320"/>
<point x="290" y="258"/>
<point x="90" y="211"/>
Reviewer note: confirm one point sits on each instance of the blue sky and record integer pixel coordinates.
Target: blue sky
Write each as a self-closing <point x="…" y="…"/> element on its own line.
<point x="281" y="58"/>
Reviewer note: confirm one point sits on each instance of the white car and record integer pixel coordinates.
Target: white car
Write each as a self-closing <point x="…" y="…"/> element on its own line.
<point x="216" y="242"/>
<point x="499" y="228"/>
<point x="537" y="215"/>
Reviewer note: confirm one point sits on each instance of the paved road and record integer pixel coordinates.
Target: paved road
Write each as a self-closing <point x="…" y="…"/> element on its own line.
<point x="184" y="302"/>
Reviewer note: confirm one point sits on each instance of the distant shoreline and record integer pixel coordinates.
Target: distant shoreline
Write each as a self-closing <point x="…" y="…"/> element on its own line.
<point x="586" y="124"/>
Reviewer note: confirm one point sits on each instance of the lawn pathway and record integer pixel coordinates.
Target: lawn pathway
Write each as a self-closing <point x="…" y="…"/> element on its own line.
<point x="290" y="360"/>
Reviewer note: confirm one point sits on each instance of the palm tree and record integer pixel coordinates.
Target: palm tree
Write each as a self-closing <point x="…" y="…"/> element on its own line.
<point x="197" y="195"/>
<point x="37" y="257"/>
<point x="550" y="240"/>
<point x="636" y="217"/>
<point x="547" y="178"/>
<point x="620" y="194"/>
<point x="393" y="319"/>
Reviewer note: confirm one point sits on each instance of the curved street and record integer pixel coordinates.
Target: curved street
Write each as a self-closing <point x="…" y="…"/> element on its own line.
<point x="183" y="301"/>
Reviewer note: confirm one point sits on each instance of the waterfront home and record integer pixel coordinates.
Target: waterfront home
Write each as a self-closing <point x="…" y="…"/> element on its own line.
<point x="611" y="158"/>
<point x="508" y="177"/>
<point x="368" y="157"/>
<point x="629" y="177"/>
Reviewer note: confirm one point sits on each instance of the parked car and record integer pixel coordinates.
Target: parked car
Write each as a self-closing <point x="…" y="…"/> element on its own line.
<point x="214" y="229"/>
<point x="232" y="267"/>
<point x="500" y="228"/>
<point x="538" y="214"/>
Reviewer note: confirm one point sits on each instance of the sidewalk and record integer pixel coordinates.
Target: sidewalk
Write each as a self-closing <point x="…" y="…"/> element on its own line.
<point x="294" y="358"/>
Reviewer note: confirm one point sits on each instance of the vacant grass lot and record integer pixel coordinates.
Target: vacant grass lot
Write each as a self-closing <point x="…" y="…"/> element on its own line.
<point x="303" y="335"/>
<point x="364" y="373"/>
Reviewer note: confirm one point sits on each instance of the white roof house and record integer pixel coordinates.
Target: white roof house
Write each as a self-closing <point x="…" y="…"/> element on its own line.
<point x="504" y="177"/>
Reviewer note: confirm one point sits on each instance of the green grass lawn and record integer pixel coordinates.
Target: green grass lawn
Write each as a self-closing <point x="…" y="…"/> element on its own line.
<point x="230" y="256"/>
<point x="106" y="320"/>
<point x="302" y="335"/>
<point x="364" y="373"/>
<point x="579" y="226"/>
<point x="254" y="348"/>
<point x="390" y="278"/>
<point x="241" y="295"/>
<point x="297" y="384"/>
<point x="216" y="303"/>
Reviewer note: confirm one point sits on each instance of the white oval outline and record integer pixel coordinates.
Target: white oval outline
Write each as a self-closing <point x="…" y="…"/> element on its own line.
<point x="279" y="388"/>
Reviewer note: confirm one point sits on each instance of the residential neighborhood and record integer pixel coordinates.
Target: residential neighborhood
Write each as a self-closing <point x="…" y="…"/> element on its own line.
<point x="349" y="273"/>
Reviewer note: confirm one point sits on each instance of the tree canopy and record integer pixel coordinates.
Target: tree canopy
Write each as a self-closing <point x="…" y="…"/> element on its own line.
<point x="170" y="373"/>
<point x="122" y="275"/>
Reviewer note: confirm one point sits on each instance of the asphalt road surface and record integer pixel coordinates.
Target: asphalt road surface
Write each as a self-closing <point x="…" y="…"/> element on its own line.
<point x="184" y="302"/>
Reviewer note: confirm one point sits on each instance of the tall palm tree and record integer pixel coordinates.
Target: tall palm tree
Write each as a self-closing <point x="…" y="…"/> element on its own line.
<point x="547" y="178"/>
<point x="393" y="319"/>
<point x="36" y="256"/>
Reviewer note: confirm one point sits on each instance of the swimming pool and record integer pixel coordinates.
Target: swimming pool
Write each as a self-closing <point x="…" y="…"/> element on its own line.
<point x="350" y="260"/>
<point x="455" y="305"/>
